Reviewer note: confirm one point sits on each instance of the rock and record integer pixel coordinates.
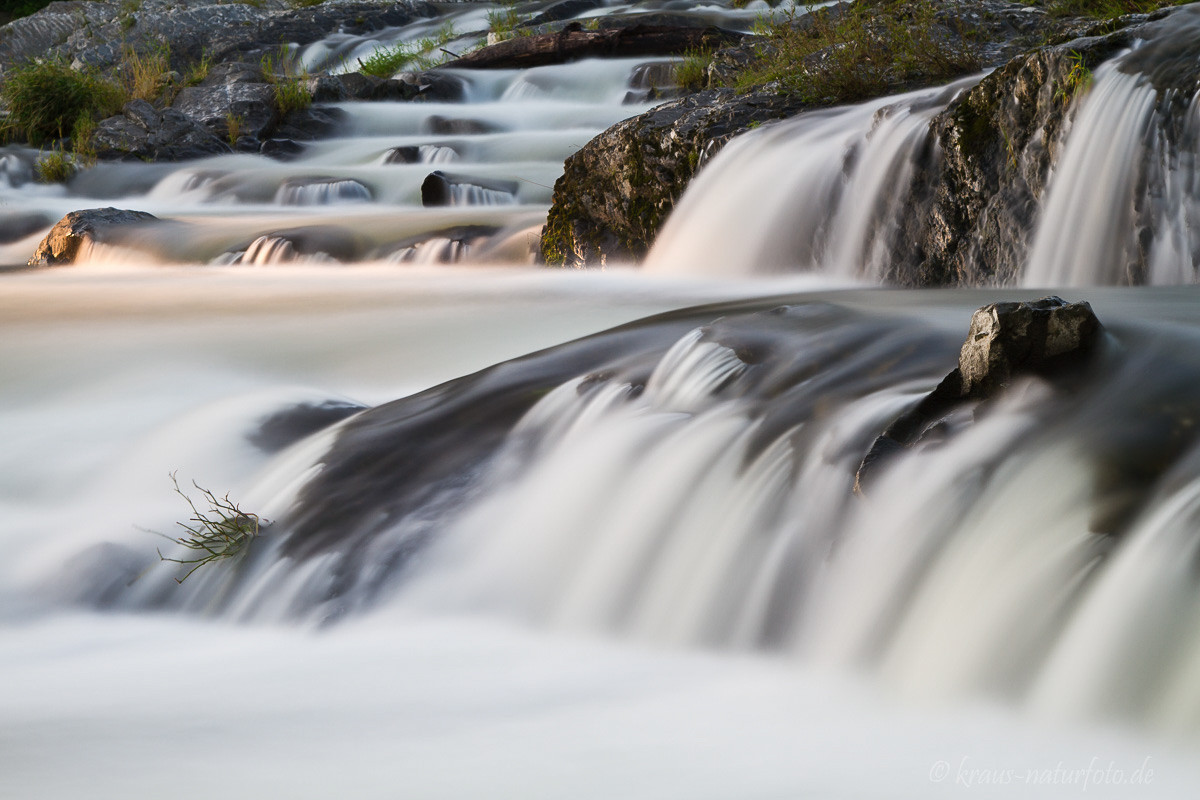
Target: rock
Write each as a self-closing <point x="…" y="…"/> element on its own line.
<point x="442" y="189"/>
<point x="1049" y="338"/>
<point x="62" y="244"/>
<point x="95" y="33"/>
<point x="143" y="132"/>
<point x="306" y="124"/>
<point x="456" y="126"/>
<point x="617" y="190"/>
<point x="252" y="105"/>
<point x="15" y="226"/>
<point x="1042" y="337"/>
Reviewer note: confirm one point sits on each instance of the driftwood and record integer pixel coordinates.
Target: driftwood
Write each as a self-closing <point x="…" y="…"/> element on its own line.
<point x="573" y="43"/>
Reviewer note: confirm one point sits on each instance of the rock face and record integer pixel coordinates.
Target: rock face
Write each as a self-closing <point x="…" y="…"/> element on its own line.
<point x="143" y="132"/>
<point x="95" y="33"/>
<point x="616" y="191"/>
<point x="64" y="241"/>
<point x="1049" y="338"/>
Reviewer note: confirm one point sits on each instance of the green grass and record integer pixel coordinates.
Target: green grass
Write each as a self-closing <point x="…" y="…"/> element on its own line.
<point x="424" y="53"/>
<point x="291" y="89"/>
<point x="55" y="166"/>
<point x="506" y="24"/>
<point x="692" y="71"/>
<point x="1079" y="79"/>
<point x="853" y="52"/>
<point x="219" y="532"/>
<point x="47" y="99"/>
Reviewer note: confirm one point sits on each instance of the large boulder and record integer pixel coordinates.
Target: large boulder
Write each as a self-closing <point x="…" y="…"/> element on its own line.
<point x="79" y="228"/>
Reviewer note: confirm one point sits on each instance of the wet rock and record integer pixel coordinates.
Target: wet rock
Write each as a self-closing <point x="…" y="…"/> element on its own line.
<point x="281" y="149"/>
<point x="456" y="126"/>
<point x="64" y="241"/>
<point x="1049" y="338"/>
<point x="143" y="132"/>
<point x="617" y="190"/>
<point x="307" y="124"/>
<point x="15" y="226"/>
<point x="321" y="191"/>
<point x="288" y="426"/>
<point x="443" y="189"/>
<point x="310" y="243"/>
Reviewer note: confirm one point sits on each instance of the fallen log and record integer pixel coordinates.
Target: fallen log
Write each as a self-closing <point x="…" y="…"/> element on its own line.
<point x="573" y="42"/>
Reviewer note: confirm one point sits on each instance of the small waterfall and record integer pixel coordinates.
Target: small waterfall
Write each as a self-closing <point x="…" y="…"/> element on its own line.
<point x="317" y="192"/>
<point x="1087" y="232"/>
<point x="824" y="192"/>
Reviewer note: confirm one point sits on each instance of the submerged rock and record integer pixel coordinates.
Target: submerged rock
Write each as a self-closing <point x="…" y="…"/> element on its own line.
<point x="79" y="228"/>
<point x="1049" y="338"/>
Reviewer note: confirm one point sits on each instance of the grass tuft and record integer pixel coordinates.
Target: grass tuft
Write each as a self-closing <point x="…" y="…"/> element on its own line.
<point x="692" y="71"/>
<point x="424" y="53"/>
<point x="46" y="99"/>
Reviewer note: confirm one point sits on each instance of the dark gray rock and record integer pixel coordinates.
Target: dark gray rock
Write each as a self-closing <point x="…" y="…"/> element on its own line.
<point x="617" y="190"/>
<point x="95" y="33"/>
<point x="213" y="106"/>
<point x="143" y="132"/>
<point x="442" y="189"/>
<point x="1048" y="338"/>
<point x="72" y="232"/>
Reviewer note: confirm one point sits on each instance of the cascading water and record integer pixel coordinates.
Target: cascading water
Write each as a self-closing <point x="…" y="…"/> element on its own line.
<point x="632" y="565"/>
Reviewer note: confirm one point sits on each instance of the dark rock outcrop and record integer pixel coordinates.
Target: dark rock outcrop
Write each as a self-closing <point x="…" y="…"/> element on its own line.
<point x="1048" y="338"/>
<point x="143" y="132"/>
<point x="64" y="241"/>
<point x="618" y="189"/>
<point x="972" y="211"/>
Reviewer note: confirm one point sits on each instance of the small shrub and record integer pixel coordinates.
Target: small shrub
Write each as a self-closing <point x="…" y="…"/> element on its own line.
<point x="147" y="76"/>
<point x="46" y="99"/>
<point x="221" y="531"/>
<point x="505" y="24"/>
<point x="82" y="145"/>
<point x="692" y="71"/>
<point x="198" y="70"/>
<point x="233" y="127"/>
<point x="54" y="167"/>
<point x="292" y="95"/>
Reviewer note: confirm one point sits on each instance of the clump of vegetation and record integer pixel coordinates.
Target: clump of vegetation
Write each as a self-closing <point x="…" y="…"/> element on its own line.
<point x="1079" y="79"/>
<point x="506" y="24"/>
<point x="424" y="53"/>
<point x="233" y="127"/>
<point x="147" y="75"/>
<point x="692" y="71"/>
<point x="291" y="86"/>
<point x="46" y="100"/>
<point x="221" y="531"/>
<point x="856" y="51"/>
<point x="56" y="166"/>
<point x="197" y="71"/>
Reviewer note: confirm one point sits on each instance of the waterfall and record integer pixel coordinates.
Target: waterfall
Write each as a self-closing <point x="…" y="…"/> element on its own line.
<point x="824" y="192"/>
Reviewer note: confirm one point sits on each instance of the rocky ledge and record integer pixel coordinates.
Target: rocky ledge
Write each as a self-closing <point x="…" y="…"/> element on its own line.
<point x="973" y="209"/>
